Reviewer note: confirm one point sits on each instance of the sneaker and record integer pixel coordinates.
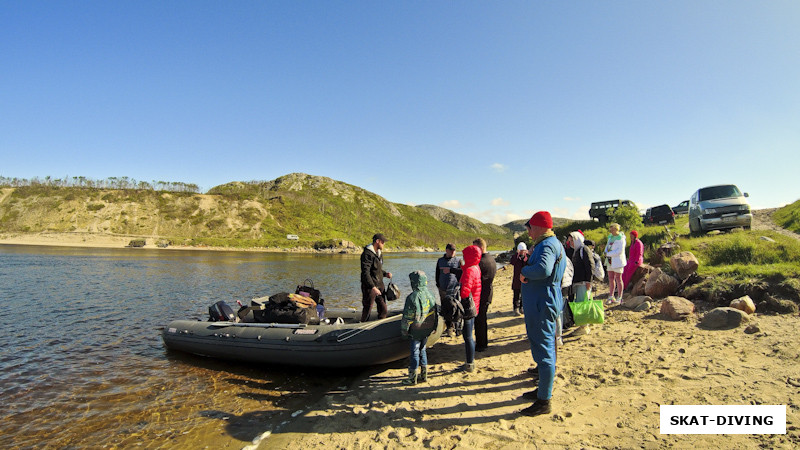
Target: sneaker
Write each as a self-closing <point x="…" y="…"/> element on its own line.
<point x="538" y="407"/>
<point x="559" y="342"/>
<point x="517" y="312"/>
<point x="581" y="331"/>
<point x="481" y="349"/>
<point x="468" y="367"/>
<point x="533" y="371"/>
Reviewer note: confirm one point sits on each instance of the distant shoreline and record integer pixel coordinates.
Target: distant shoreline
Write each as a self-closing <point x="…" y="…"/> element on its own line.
<point x="105" y="240"/>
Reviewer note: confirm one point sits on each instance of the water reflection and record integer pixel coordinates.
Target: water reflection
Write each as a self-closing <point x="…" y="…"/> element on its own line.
<point x="81" y="359"/>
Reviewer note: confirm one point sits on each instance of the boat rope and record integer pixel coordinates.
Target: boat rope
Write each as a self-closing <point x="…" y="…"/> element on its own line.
<point x="360" y="329"/>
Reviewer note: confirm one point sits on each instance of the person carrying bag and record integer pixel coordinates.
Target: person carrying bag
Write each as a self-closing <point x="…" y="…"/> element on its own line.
<point x="587" y="311"/>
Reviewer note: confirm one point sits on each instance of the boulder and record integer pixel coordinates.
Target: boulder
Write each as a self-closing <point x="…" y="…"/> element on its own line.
<point x="640" y="273"/>
<point x="719" y="318"/>
<point x="684" y="264"/>
<point x="677" y="308"/>
<point x="745" y="304"/>
<point x="638" y="288"/>
<point x="634" y="302"/>
<point x="660" y="284"/>
<point x="643" y="307"/>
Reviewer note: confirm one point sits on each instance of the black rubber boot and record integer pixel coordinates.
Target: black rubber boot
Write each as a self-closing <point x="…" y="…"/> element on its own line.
<point x="538" y="407"/>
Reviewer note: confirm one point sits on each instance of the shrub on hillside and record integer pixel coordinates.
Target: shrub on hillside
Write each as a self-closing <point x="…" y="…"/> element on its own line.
<point x="626" y="216"/>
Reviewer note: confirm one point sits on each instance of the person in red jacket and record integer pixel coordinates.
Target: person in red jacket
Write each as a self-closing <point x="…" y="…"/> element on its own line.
<point x="470" y="284"/>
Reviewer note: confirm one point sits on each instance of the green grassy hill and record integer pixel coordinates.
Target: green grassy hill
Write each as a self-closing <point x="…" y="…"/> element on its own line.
<point x="789" y="217"/>
<point x="242" y="214"/>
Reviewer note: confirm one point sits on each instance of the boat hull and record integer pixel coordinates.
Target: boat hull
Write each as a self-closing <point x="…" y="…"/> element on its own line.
<point x="330" y="345"/>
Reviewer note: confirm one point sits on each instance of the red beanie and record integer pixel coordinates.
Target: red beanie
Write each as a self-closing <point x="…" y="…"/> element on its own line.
<point x="541" y="219"/>
<point x="634" y="233"/>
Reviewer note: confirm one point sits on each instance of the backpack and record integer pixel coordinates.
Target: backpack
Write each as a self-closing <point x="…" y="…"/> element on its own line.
<point x="569" y="271"/>
<point x="597" y="269"/>
<point x="424" y="328"/>
<point x="452" y="311"/>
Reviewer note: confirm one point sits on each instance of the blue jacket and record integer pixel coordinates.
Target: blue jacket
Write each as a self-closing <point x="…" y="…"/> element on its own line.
<point x="447" y="281"/>
<point x="544" y="275"/>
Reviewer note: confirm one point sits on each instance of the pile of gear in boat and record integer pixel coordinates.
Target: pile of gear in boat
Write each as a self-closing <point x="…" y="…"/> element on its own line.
<point x="304" y="306"/>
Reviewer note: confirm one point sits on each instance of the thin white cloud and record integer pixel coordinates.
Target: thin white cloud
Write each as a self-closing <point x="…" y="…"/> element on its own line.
<point x="497" y="167"/>
<point x="450" y="204"/>
<point x="499" y="202"/>
<point x="572" y="199"/>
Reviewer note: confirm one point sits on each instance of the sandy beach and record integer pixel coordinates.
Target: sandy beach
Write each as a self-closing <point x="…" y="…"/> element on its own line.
<point x="609" y="385"/>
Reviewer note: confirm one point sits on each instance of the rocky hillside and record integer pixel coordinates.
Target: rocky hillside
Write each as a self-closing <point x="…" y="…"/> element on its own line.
<point x="463" y="222"/>
<point x="518" y="226"/>
<point x="241" y="214"/>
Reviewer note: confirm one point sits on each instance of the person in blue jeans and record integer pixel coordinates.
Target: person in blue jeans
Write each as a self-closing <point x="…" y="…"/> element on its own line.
<point x="542" y="303"/>
<point x="470" y="285"/>
<point x="418" y="322"/>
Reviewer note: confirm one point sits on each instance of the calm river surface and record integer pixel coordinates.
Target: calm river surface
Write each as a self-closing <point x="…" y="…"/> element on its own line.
<point x="82" y="363"/>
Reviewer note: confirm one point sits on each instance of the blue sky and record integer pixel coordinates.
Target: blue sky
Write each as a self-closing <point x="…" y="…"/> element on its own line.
<point x="492" y="109"/>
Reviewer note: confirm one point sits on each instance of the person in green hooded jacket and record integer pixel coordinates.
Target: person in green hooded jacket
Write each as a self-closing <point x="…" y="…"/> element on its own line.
<point x="420" y="305"/>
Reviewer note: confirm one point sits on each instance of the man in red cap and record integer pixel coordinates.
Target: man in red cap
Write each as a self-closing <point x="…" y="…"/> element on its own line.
<point x="542" y="303"/>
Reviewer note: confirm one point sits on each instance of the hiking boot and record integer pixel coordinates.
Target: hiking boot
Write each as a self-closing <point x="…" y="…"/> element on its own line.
<point x="531" y="395"/>
<point x="538" y="407"/>
<point x="534" y="371"/>
<point x="411" y="380"/>
<point x="423" y="374"/>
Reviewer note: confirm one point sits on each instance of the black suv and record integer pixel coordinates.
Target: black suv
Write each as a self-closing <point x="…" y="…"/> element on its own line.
<point x="659" y="215"/>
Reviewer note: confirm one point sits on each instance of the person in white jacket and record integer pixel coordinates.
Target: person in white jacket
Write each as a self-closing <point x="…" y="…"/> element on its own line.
<point x="615" y="263"/>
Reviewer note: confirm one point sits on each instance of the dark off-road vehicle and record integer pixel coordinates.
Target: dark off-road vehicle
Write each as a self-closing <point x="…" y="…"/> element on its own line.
<point x="659" y="215"/>
<point x="598" y="209"/>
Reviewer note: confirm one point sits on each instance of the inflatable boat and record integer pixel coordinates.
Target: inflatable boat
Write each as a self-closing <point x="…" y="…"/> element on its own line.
<point x="343" y="341"/>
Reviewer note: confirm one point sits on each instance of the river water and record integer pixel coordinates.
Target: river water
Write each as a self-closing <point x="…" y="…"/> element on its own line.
<point x="82" y="363"/>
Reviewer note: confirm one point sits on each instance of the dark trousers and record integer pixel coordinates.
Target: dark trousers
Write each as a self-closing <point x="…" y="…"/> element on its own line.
<point x="481" y="327"/>
<point x="367" y="303"/>
<point x="516" y="300"/>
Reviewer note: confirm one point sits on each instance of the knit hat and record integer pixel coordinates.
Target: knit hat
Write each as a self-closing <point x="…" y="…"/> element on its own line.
<point x="635" y="234"/>
<point x="521" y="246"/>
<point x="541" y="219"/>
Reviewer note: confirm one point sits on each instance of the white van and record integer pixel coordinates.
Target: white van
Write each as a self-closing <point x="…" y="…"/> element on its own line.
<point x="719" y="208"/>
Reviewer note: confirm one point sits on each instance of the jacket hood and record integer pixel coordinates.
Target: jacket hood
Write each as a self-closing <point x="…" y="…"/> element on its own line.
<point x="472" y="255"/>
<point x="418" y="280"/>
<point x="577" y="240"/>
<point x="371" y="248"/>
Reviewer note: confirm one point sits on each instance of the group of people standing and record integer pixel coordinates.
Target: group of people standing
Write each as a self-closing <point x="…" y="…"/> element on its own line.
<point x="536" y="286"/>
